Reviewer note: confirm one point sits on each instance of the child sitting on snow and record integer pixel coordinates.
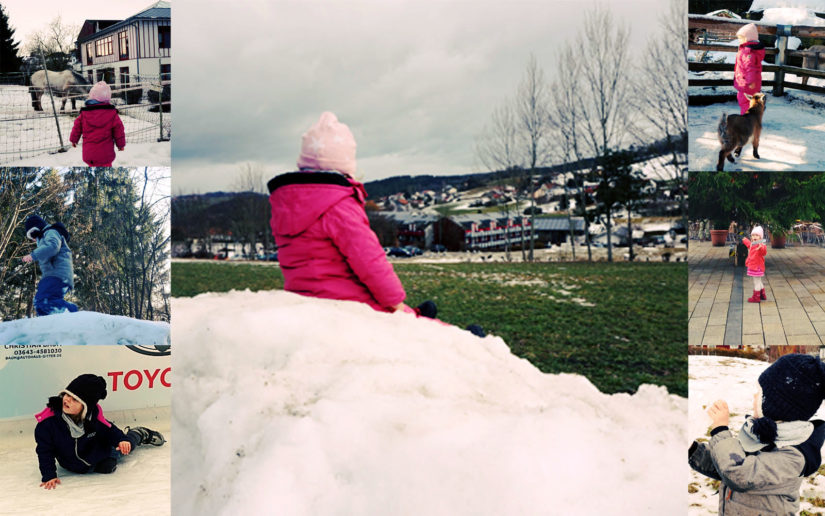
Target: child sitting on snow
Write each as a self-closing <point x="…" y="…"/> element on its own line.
<point x="326" y="247"/>
<point x="756" y="262"/>
<point x="72" y="430"/>
<point x="761" y="469"/>
<point x="100" y="126"/>
<point x="55" y="259"/>
<point x="747" y="73"/>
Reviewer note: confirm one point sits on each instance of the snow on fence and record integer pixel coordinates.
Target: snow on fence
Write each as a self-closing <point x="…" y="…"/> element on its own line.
<point x="710" y="33"/>
<point x="144" y="107"/>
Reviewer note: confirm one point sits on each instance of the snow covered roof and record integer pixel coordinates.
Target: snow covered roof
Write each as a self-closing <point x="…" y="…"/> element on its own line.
<point x="814" y="5"/>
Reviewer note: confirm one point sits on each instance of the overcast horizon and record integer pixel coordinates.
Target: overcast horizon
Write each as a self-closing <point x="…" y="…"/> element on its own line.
<point x="414" y="81"/>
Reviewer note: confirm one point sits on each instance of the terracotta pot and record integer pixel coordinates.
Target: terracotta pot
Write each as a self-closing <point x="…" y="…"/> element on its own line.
<point x="718" y="237"/>
<point x="778" y="241"/>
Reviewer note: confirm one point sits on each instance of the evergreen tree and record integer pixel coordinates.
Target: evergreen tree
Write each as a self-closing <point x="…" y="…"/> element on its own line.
<point x="9" y="60"/>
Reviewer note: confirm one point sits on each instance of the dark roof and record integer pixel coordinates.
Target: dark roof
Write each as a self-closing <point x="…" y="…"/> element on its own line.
<point x="160" y="10"/>
<point x="557" y="224"/>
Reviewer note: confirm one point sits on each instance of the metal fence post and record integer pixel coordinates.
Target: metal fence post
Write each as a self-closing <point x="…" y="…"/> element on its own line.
<point x="51" y="97"/>
<point x="782" y="34"/>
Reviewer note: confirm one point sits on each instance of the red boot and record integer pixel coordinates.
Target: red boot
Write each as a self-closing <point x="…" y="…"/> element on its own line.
<point x="755" y="297"/>
<point x="762" y="294"/>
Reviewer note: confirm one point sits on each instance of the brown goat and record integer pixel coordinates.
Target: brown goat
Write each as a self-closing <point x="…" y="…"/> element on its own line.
<point x="737" y="130"/>
<point x="814" y="59"/>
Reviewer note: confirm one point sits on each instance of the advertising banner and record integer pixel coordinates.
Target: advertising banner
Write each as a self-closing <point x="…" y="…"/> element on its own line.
<point x="136" y="376"/>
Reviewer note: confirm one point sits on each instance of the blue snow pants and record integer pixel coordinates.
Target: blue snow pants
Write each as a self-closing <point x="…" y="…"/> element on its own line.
<point x="49" y="297"/>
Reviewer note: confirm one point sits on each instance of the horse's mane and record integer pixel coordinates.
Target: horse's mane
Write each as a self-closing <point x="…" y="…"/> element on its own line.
<point x="78" y="76"/>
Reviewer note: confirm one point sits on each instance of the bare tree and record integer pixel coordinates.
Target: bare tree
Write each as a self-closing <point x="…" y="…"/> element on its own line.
<point x="604" y="109"/>
<point x="56" y="37"/>
<point x="519" y="135"/>
<point x="662" y="97"/>
<point x="565" y="114"/>
<point x="533" y="110"/>
<point x="497" y="149"/>
<point x="251" y="216"/>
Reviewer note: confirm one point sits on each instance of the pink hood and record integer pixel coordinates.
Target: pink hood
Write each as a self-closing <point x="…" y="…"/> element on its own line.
<point x="325" y="245"/>
<point x="46" y="413"/>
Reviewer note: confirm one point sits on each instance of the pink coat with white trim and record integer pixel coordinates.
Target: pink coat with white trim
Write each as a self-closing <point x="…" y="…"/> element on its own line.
<point x="326" y="248"/>
<point x="748" y="69"/>
<point x="755" y="261"/>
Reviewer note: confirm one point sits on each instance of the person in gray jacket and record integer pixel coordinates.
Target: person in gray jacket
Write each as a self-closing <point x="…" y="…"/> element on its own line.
<point x="55" y="259"/>
<point x="761" y="469"/>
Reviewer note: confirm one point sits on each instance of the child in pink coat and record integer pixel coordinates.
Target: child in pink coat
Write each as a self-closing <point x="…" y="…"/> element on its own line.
<point x="756" y="263"/>
<point x="326" y="247"/>
<point x="100" y="126"/>
<point x="747" y="74"/>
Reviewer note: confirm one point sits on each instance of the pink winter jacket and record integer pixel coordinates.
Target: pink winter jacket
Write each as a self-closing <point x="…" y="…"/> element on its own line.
<point x="102" y="129"/>
<point x="748" y="69"/>
<point x="325" y="245"/>
<point x="755" y="262"/>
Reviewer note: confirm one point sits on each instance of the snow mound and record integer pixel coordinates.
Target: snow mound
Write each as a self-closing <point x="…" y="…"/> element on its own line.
<point x="89" y="328"/>
<point x="331" y="408"/>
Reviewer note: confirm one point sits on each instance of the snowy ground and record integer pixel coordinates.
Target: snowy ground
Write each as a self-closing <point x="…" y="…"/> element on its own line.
<point x="791" y="139"/>
<point x="140" y="485"/>
<point x="331" y="408"/>
<point x="734" y="380"/>
<point x="84" y="328"/>
<point x="30" y="138"/>
<point x="134" y="155"/>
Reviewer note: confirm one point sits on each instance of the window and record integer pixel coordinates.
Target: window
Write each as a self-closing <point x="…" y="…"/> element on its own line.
<point x="165" y="37"/>
<point x="124" y="76"/>
<point x="103" y="47"/>
<point x="165" y="72"/>
<point x="89" y="55"/>
<point x="123" y="44"/>
<point x="106" y="75"/>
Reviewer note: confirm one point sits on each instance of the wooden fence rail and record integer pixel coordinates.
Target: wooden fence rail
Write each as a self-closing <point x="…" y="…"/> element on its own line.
<point x="705" y="32"/>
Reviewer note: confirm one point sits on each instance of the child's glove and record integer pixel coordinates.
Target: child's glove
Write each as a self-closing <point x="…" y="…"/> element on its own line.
<point x="121" y="149"/>
<point x="74" y="145"/>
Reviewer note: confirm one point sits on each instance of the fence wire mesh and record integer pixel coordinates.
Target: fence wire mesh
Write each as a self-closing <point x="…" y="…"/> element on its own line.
<point x="144" y="107"/>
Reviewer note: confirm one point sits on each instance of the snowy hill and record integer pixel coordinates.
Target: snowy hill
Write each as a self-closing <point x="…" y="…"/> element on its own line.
<point x="90" y="328"/>
<point x="331" y="408"/>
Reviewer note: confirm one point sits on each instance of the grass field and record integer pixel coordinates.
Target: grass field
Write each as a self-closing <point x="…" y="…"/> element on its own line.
<point x="620" y="324"/>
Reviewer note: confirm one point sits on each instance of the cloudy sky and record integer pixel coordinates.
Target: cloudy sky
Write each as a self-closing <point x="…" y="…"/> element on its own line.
<point x="415" y="81"/>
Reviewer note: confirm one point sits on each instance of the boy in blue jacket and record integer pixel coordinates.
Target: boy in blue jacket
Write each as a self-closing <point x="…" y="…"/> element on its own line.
<point x="72" y="430"/>
<point x="55" y="259"/>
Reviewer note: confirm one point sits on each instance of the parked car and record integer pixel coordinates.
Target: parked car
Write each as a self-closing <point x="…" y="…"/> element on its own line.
<point x="269" y="257"/>
<point x="413" y="250"/>
<point x="399" y="252"/>
<point x="438" y="248"/>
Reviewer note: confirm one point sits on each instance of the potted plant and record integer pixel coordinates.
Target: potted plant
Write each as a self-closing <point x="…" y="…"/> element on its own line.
<point x="778" y="237"/>
<point x="719" y="233"/>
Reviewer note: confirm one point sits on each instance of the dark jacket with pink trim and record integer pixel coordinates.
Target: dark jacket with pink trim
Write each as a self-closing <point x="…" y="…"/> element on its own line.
<point x="55" y="441"/>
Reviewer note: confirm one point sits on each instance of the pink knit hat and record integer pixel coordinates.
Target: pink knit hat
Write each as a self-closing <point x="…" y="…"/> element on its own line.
<point x="749" y="32"/>
<point x="101" y="92"/>
<point x="328" y="145"/>
<point x="757" y="230"/>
